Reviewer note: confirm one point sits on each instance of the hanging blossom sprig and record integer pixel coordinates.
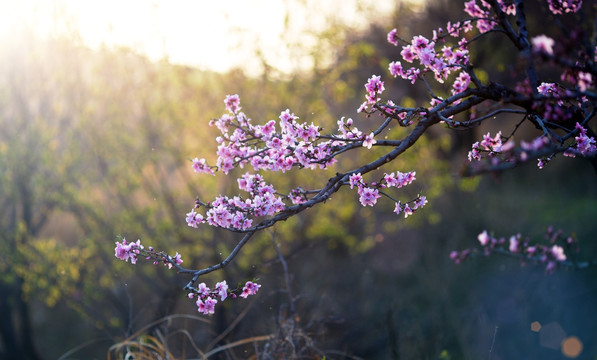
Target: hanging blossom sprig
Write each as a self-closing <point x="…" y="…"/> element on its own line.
<point x="560" y="251"/>
<point x="206" y="297"/>
<point x="274" y="146"/>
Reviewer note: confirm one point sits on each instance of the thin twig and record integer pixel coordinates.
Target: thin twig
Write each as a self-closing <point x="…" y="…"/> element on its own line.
<point x="493" y="341"/>
<point x="286" y="274"/>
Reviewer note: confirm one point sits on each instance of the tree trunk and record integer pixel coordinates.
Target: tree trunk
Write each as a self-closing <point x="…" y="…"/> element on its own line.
<point x="15" y="328"/>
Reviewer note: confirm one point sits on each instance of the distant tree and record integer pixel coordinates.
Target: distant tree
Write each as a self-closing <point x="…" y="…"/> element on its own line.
<point x="66" y="124"/>
<point x="34" y="160"/>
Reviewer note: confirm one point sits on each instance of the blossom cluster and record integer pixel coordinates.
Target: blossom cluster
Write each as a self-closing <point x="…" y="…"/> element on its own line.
<point x="274" y="146"/>
<point x="441" y="62"/>
<point x="482" y="13"/>
<point x="129" y="251"/>
<point x="544" y="45"/>
<point x="234" y="212"/>
<point x="369" y="193"/>
<point x="490" y="145"/>
<point x="585" y="145"/>
<point x="551" y="255"/>
<point x="564" y="6"/>
<point x="278" y="146"/>
<point x="374" y="87"/>
<point x="493" y="146"/>
<point x="351" y="133"/>
<point x="206" y="297"/>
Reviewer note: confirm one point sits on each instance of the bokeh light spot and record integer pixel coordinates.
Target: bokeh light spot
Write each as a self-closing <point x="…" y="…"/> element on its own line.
<point x="535" y="326"/>
<point x="571" y="347"/>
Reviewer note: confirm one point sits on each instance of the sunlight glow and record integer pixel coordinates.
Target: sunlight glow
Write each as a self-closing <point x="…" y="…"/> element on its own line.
<point x="204" y="34"/>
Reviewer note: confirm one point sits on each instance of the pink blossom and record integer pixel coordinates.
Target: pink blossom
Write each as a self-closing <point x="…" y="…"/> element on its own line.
<point x="483" y="238"/>
<point x="543" y="43"/>
<point x="408" y="54"/>
<point x="368" y="196"/>
<point x="129" y="251"/>
<point x="584" y="80"/>
<point x="193" y="219"/>
<point x="421" y="43"/>
<point x="542" y="162"/>
<point x="585" y="145"/>
<point x="427" y="57"/>
<point x="203" y="290"/>
<point x="398" y="208"/>
<point x="200" y="166"/>
<point x="514" y="243"/>
<point x="453" y="29"/>
<point x="222" y="289"/>
<point x="508" y="146"/>
<point x="493" y="144"/>
<point x="474" y="153"/>
<point x="471" y="8"/>
<point x="396" y="69"/>
<point x="420" y="202"/>
<point x="250" y="288"/>
<point x="374" y="85"/>
<point x="509" y="9"/>
<point x="536" y="144"/>
<point x="546" y="88"/>
<point x="393" y="37"/>
<point x="558" y="253"/>
<point x="369" y="141"/>
<point x="362" y="108"/>
<point x="447" y="52"/>
<point x="355" y="179"/>
<point x="564" y="6"/>
<point x="461" y="83"/>
<point x="178" y="259"/>
<point x="406" y="178"/>
<point x="407" y="211"/>
<point x="209" y="305"/>
<point x="206" y="307"/>
<point x="391" y="180"/>
<point x="232" y="103"/>
<point x="582" y="131"/>
<point x="287" y="119"/>
<point x="412" y="74"/>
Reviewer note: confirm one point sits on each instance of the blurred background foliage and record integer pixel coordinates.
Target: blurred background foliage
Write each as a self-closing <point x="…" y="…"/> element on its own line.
<point x="95" y="144"/>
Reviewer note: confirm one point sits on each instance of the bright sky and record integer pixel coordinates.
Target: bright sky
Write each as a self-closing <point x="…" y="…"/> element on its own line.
<point x="208" y="34"/>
